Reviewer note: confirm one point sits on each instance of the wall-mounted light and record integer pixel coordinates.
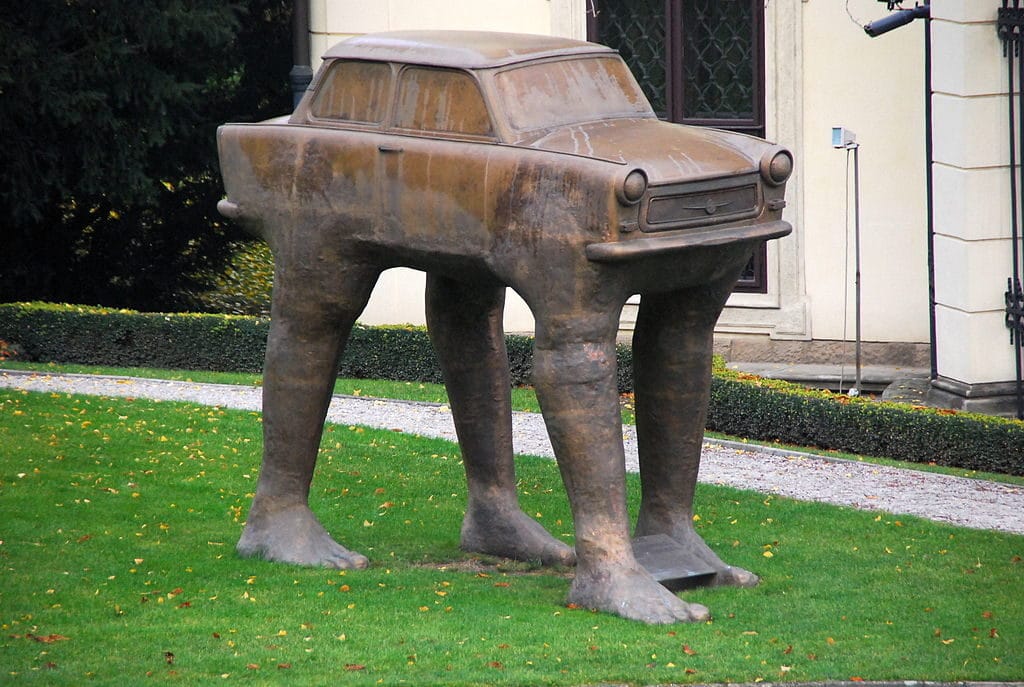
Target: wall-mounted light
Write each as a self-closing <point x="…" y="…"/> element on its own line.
<point x="896" y="19"/>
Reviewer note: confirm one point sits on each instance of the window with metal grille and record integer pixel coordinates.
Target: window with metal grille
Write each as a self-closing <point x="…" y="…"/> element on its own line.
<point x="700" y="62"/>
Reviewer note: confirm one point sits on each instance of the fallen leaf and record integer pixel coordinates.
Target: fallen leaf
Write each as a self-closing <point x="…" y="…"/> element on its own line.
<point x="253" y="666"/>
<point x="856" y="678"/>
<point x="354" y="666"/>
<point x="47" y="639"/>
<point x="688" y="651"/>
<point x="284" y="666"/>
<point x="498" y="665"/>
<point x="993" y="633"/>
<point x="169" y="657"/>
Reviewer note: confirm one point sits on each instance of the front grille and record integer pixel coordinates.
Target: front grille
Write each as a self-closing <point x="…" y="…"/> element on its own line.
<point x="701" y="205"/>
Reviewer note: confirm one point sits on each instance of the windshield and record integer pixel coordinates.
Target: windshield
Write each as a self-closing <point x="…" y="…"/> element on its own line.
<point x="550" y="94"/>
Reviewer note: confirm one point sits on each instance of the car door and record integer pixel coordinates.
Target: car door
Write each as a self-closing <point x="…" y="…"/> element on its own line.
<point x="347" y="118"/>
<point x="434" y="169"/>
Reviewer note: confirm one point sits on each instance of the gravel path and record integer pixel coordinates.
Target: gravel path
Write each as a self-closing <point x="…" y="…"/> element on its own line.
<point x="961" y="501"/>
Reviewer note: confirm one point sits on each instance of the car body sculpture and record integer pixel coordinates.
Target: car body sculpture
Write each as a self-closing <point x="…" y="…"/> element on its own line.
<point x="493" y="160"/>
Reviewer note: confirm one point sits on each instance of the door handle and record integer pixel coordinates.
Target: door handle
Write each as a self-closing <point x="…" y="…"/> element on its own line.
<point x="389" y="149"/>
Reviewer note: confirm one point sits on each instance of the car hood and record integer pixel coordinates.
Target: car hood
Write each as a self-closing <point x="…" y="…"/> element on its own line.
<point x="667" y="152"/>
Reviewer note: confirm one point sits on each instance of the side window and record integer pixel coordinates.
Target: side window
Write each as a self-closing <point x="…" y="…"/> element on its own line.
<point x="354" y="92"/>
<point x="441" y="100"/>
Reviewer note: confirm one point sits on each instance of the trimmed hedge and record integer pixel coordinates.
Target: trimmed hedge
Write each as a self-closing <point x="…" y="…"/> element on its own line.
<point x="740" y="405"/>
<point x="777" y="411"/>
<point x="124" y="338"/>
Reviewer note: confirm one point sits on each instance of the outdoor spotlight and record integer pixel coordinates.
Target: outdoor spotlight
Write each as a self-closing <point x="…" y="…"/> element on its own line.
<point x="896" y="20"/>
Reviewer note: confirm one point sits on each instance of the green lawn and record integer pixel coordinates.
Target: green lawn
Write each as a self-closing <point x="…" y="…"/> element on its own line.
<point x="120" y="517"/>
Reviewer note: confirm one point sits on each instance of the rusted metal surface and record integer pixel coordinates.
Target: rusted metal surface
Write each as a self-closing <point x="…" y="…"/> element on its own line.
<point x="494" y="160"/>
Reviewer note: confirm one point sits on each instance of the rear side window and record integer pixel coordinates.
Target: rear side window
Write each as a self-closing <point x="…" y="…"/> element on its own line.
<point x="354" y="92"/>
<point x="441" y="100"/>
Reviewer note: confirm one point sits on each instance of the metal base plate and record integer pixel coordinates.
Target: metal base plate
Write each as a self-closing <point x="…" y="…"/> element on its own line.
<point x="670" y="563"/>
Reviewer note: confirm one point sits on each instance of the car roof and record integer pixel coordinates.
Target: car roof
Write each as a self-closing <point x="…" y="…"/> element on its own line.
<point x="466" y="49"/>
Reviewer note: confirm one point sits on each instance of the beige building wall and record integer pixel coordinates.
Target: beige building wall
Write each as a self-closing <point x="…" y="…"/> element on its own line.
<point x="821" y="71"/>
<point x="875" y="88"/>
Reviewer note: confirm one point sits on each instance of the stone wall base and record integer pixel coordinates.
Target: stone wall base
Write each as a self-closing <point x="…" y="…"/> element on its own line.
<point x="997" y="398"/>
<point x="761" y="349"/>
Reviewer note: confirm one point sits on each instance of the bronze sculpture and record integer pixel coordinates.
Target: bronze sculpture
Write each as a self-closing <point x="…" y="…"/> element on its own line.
<point x="494" y="160"/>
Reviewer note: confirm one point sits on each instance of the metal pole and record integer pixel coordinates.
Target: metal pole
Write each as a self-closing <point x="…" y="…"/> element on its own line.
<point x="930" y="194"/>
<point x="856" y="253"/>
<point x="1016" y="52"/>
<point x="1009" y="26"/>
<point x="302" y="73"/>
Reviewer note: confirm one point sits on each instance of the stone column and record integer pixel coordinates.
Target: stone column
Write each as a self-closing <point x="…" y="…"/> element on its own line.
<point x="975" y="361"/>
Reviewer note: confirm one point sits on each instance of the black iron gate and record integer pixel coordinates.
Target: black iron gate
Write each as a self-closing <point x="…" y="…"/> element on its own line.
<point x="1010" y="25"/>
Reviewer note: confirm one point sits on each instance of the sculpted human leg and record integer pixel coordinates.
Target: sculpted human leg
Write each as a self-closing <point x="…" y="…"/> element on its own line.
<point x="465" y="323"/>
<point x="672" y="348"/>
<point x="312" y="315"/>
<point x="574" y="372"/>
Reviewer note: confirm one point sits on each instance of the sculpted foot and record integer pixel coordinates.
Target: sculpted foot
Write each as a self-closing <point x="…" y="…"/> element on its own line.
<point x="731" y="576"/>
<point x="292" y="534"/>
<point x="700" y="553"/>
<point x="633" y="594"/>
<point x="510" y="533"/>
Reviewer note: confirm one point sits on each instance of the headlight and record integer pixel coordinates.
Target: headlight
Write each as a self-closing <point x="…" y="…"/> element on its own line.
<point x="633" y="187"/>
<point x="776" y="166"/>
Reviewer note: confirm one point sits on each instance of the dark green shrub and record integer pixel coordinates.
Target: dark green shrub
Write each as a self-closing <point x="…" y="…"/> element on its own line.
<point x="777" y="411"/>
<point x="243" y="286"/>
<point x="124" y="338"/>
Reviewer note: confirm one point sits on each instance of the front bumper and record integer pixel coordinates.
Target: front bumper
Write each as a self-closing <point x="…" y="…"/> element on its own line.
<point x="648" y="246"/>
